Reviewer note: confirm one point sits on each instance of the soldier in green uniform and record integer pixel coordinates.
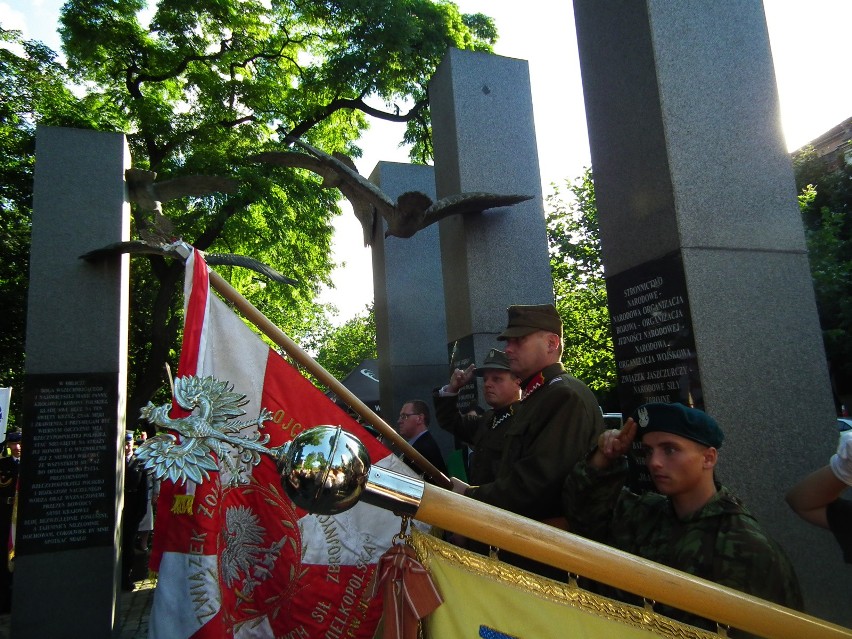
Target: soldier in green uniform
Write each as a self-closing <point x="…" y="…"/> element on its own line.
<point x="483" y="433"/>
<point x="555" y="423"/>
<point x="692" y="524"/>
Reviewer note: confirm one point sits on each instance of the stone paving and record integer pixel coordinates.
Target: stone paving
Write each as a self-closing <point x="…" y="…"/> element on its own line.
<point x="134" y="611"/>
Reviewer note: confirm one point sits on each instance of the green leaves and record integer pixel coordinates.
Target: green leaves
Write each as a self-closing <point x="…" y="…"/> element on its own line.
<point x="198" y="87"/>
<point x="344" y="347"/>
<point x="825" y="199"/>
<point x="578" y="282"/>
<point x="34" y="89"/>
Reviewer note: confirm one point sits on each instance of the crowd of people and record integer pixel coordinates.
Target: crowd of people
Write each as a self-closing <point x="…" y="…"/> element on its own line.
<point x="10" y="463"/>
<point x="541" y="450"/>
<point x="137" y="513"/>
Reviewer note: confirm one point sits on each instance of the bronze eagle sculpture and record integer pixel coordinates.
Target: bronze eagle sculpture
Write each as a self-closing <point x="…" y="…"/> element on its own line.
<point x="412" y="210"/>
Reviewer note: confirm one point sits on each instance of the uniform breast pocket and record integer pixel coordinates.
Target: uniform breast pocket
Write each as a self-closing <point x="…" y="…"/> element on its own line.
<point x="513" y="447"/>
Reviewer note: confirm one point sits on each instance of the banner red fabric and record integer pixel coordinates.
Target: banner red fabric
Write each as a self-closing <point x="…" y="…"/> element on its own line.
<point x="239" y="559"/>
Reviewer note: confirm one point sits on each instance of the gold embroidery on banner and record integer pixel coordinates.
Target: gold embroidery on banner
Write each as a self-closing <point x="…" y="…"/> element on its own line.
<point x="182" y="504"/>
<point x="428" y="547"/>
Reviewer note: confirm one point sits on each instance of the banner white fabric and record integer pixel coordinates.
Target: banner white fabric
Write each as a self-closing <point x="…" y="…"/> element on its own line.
<point x="5" y="397"/>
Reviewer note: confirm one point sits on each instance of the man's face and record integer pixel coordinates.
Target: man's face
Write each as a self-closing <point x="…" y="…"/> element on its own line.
<point x="15" y="449"/>
<point x="501" y="388"/>
<point x="128" y="448"/>
<point x="409" y="422"/>
<point x="530" y="353"/>
<point x="677" y="465"/>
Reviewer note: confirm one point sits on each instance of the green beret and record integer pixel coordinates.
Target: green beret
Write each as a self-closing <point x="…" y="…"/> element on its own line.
<point x="526" y="319"/>
<point x="678" y="419"/>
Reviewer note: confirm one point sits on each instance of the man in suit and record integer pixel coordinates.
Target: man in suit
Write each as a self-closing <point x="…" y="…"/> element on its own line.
<point x="413" y="425"/>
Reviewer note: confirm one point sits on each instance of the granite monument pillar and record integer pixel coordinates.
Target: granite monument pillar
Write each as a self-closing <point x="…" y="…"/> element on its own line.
<point x="706" y="264"/>
<point x="484" y="139"/>
<point x="409" y="302"/>
<point x="68" y="537"/>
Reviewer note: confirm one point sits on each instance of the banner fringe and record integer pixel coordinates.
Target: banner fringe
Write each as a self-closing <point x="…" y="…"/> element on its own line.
<point x="182" y="504"/>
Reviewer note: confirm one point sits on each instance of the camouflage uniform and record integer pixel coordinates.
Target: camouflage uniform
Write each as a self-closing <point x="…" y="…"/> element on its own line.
<point x="722" y="542"/>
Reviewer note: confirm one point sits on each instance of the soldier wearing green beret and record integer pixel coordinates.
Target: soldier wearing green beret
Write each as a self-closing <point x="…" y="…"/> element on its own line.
<point x="692" y="523"/>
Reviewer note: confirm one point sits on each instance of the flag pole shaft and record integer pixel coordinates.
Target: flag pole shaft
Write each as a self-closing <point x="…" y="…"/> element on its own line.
<point x="316" y="369"/>
<point x="581" y="556"/>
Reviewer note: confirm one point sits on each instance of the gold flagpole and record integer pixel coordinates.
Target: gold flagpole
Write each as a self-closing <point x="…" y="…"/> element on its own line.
<point x="301" y="356"/>
<point x="581" y="556"/>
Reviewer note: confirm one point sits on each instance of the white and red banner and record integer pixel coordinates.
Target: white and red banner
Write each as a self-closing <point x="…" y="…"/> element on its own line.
<point x="5" y="396"/>
<point x="244" y="561"/>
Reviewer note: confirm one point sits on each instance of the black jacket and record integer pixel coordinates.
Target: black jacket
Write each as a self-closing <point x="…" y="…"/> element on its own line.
<point x="428" y="447"/>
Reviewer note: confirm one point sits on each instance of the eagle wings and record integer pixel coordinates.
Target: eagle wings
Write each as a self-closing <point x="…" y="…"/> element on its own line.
<point x="412" y="210"/>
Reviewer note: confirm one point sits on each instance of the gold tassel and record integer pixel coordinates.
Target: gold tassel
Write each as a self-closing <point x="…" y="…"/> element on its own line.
<point x="182" y="505"/>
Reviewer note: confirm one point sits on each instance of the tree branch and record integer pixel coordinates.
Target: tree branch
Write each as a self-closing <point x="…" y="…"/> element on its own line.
<point x="357" y="104"/>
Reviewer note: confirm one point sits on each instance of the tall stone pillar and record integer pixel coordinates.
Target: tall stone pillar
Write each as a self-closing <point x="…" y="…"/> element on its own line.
<point x="707" y="270"/>
<point x="409" y="302"/>
<point x="484" y="138"/>
<point x="68" y="538"/>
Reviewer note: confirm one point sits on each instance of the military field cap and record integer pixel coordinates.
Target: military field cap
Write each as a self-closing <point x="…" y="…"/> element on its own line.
<point x="526" y="319"/>
<point x="495" y="361"/>
<point x="13" y="436"/>
<point x="128" y="435"/>
<point x="678" y="419"/>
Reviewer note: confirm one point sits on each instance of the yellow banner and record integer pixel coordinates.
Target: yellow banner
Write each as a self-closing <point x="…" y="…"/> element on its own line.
<point x="488" y="599"/>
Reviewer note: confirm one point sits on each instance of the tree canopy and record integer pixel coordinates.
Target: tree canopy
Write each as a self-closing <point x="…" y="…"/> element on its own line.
<point x="200" y="87"/>
<point x="34" y="89"/>
<point x="578" y="282"/>
<point x="341" y="348"/>
<point x="825" y="199"/>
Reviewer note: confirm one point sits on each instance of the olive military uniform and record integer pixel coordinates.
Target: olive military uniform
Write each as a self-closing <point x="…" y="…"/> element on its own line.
<point x="555" y="423"/>
<point x="485" y="434"/>
<point x="721" y="542"/>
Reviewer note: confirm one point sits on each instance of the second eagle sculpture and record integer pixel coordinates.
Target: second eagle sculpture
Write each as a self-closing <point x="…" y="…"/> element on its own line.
<point x="411" y="212"/>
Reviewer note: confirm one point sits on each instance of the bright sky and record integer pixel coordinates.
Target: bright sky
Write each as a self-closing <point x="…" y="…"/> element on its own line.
<point x="809" y="47"/>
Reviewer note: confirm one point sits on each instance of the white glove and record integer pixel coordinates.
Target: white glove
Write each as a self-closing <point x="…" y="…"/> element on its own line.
<point x="841" y="461"/>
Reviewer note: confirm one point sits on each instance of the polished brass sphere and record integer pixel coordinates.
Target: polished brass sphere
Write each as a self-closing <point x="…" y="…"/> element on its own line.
<point x="324" y="470"/>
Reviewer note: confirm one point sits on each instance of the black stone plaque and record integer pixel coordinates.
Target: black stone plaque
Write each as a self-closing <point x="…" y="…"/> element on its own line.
<point x="461" y="356"/>
<point x="653" y="342"/>
<point x="652" y="335"/>
<point x="68" y="467"/>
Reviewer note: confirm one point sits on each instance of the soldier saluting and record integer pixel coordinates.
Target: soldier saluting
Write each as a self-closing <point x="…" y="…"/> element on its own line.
<point x="692" y="523"/>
